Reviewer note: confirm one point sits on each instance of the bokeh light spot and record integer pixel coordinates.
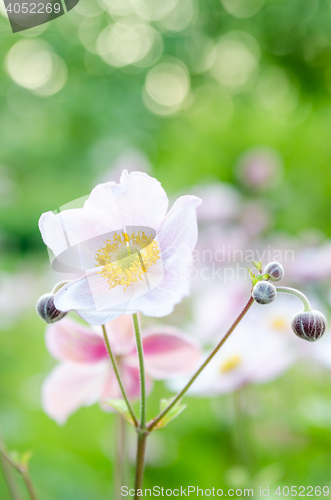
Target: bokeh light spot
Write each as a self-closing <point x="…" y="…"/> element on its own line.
<point x="33" y="65"/>
<point x="167" y="86"/>
<point x="242" y="8"/>
<point x="236" y="58"/>
<point x="126" y="42"/>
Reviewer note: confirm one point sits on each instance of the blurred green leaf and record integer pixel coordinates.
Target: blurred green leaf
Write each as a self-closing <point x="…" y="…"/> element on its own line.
<point x="173" y="413"/>
<point x="120" y="406"/>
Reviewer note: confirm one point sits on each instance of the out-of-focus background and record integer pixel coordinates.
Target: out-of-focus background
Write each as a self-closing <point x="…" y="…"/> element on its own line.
<point x="229" y="100"/>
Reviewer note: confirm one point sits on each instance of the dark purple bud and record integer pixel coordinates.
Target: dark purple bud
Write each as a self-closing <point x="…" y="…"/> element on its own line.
<point x="309" y="325"/>
<point x="46" y="309"/>
<point x="275" y="271"/>
<point x="264" y="292"/>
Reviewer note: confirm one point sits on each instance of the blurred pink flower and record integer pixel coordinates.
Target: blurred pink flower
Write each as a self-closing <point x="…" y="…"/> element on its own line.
<point x="222" y="202"/>
<point x="260" y="168"/>
<point x="254" y="217"/>
<point x="85" y="375"/>
<point x="151" y="278"/>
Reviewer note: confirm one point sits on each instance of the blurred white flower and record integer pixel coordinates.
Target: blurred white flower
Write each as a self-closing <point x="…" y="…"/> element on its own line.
<point x="311" y="264"/>
<point x="18" y="292"/>
<point x="321" y="351"/>
<point x="215" y="306"/>
<point x="260" y="349"/>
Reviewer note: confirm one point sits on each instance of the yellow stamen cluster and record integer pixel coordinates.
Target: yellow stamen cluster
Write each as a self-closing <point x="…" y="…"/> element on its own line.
<point x="125" y="258"/>
<point x="230" y="364"/>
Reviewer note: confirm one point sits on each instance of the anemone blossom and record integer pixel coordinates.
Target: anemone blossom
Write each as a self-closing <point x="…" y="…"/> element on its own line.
<point x="131" y="254"/>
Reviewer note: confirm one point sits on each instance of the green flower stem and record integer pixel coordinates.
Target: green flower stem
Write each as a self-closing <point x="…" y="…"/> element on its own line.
<point x="113" y="361"/>
<point x="142" y="431"/>
<point x="120" y="470"/>
<point x="140" y="461"/>
<point x="296" y="293"/>
<point x="29" y="485"/>
<point x="143" y="405"/>
<point x="10" y="479"/>
<point x="179" y="396"/>
<point x="23" y="470"/>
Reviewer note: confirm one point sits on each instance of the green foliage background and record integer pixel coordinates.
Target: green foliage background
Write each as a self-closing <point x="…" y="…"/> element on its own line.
<point x="55" y="148"/>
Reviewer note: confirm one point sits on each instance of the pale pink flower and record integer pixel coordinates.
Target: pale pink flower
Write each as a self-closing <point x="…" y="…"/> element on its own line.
<point x="152" y="277"/>
<point x="85" y="375"/>
<point x="222" y="202"/>
<point x="259" y="350"/>
<point x="260" y="168"/>
<point x="249" y="356"/>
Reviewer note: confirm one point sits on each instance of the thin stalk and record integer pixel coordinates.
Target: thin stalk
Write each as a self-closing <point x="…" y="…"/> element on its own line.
<point x="179" y="396"/>
<point x="119" y="479"/>
<point x="140" y="461"/>
<point x="296" y="293"/>
<point x="29" y="485"/>
<point x="113" y="361"/>
<point x="10" y="479"/>
<point x="243" y="444"/>
<point x="140" y="351"/>
<point x="23" y="471"/>
<point x="142" y="431"/>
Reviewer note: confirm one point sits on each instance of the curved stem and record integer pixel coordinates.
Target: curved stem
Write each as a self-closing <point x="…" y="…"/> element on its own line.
<point x="113" y="361"/>
<point x="143" y="406"/>
<point x="296" y="293"/>
<point x="179" y="396"/>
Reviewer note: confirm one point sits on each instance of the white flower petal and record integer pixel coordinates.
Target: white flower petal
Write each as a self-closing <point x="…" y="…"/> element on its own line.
<point x="71" y="227"/>
<point x="177" y="237"/>
<point x="140" y="199"/>
<point x="179" y="229"/>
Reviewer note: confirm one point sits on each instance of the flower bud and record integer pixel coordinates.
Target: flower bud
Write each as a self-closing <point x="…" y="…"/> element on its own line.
<point x="275" y="271"/>
<point x="46" y="309"/>
<point x="264" y="292"/>
<point x="309" y="325"/>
